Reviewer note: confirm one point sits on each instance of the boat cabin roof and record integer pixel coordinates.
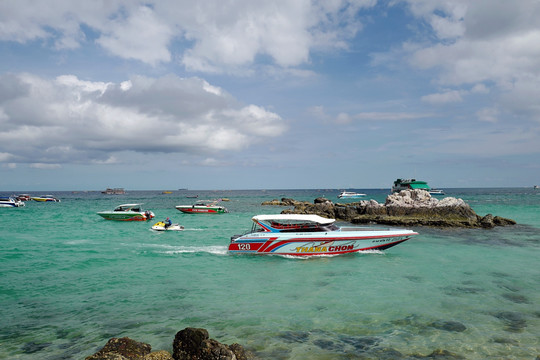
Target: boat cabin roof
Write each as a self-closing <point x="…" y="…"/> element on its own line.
<point x="125" y="207"/>
<point x="293" y="218"/>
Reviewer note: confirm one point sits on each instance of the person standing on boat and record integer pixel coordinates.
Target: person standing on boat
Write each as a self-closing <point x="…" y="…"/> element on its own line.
<point x="168" y="223"/>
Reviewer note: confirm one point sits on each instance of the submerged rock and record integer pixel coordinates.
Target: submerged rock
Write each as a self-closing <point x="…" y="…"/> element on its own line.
<point x="408" y="207"/>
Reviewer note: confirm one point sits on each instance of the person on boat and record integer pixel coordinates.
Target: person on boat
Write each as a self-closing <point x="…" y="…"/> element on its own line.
<point x="168" y="223"/>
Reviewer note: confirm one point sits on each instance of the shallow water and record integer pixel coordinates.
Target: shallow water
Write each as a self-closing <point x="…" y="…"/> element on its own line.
<point x="71" y="280"/>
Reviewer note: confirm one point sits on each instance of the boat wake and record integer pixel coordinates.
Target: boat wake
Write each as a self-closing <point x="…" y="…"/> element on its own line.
<point x="214" y="250"/>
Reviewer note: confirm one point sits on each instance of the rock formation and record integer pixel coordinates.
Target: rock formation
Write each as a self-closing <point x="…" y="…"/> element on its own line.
<point x="408" y="207"/>
<point x="189" y="344"/>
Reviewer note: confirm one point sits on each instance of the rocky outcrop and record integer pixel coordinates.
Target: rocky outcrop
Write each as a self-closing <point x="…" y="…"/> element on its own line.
<point x="189" y="344"/>
<point x="122" y="349"/>
<point x="408" y="207"/>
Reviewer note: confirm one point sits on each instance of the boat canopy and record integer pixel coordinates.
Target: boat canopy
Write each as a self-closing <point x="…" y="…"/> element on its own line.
<point x="419" y="185"/>
<point x="293" y="217"/>
<point x="126" y="207"/>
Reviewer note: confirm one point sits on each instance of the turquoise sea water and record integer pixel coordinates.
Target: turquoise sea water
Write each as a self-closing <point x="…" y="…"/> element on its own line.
<point x="71" y="280"/>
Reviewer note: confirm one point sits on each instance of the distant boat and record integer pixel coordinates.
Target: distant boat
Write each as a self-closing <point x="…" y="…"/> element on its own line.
<point x="45" y="198"/>
<point x="166" y="192"/>
<point x="434" y="191"/>
<point x="127" y="212"/>
<point x="535" y="187"/>
<point x="9" y="201"/>
<point x="350" y="195"/>
<point x="203" y="207"/>
<point x="114" y="191"/>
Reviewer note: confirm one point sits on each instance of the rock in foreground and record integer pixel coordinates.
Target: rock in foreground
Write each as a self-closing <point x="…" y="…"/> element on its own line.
<point x="189" y="344"/>
<point x="406" y="208"/>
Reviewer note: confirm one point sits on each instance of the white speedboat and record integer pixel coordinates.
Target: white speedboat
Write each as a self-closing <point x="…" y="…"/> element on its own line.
<point x="203" y="207"/>
<point x="434" y="191"/>
<point x="350" y="195"/>
<point x="127" y="212"/>
<point x="45" y="198"/>
<point x="308" y="235"/>
<point x="160" y="226"/>
<point x="10" y="202"/>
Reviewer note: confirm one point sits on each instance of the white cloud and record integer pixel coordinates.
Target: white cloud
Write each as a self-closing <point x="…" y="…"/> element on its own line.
<point x="482" y="42"/>
<point x="45" y="166"/>
<point x="488" y="115"/>
<point x="215" y="36"/>
<point x="67" y="120"/>
<point x="446" y="97"/>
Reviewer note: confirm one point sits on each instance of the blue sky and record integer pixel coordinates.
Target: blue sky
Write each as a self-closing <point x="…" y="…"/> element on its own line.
<point x="266" y="95"/>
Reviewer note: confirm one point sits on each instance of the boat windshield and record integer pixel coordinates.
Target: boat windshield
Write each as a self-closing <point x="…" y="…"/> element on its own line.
<point x="295" y="226"/>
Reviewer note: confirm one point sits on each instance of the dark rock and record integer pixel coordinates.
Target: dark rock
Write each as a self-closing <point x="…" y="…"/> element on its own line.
<point x="122" y="349"/>
<point x="442" y="355"/>
<point x="515" y="322"/>
<point x="294" y="336"/>
<point x="517" y="298"/>
<point x="322" y="200"/>
<point x="325" y="344"/>
<point x="448" y="326"/>
<point x="193" y="343"/>
<point x="32" y="347"/>
<point x="240" y="352"/>
<point x="487" y="221"/>
<point x="361" y="343"/>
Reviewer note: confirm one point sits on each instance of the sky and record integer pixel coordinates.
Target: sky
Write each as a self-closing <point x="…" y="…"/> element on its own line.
<point x="274" y="94"/>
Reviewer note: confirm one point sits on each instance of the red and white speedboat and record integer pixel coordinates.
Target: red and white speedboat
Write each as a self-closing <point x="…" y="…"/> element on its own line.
<point x="308" y="235"/>
<point x="203" y="207"/>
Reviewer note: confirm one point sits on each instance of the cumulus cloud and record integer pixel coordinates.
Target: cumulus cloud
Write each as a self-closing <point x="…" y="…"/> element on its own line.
<point x="68" y="120"/>
<point x="215" y="36"/>
<point x="446" y="97"/>
<point x="493" y="41"/>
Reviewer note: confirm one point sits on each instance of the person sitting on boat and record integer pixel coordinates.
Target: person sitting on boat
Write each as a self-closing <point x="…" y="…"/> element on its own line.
<point x="168" y="223"/>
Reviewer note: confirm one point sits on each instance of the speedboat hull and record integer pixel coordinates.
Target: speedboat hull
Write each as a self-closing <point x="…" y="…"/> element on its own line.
<point x="125" y="216"/>
<point x="11" y="202"/>
<point x="127" y="212"/>
<point x="194" y="209"/>
<point x="46" y="198"/>
<point x="300" y="244"/>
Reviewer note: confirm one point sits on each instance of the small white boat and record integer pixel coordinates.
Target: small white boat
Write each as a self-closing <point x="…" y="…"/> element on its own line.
<point x="45" y="198"/>
<point x="127" y="212"/>
<point x="350" y="195"/>
<point x="10" y="202"/>
<point x="203" y="207"/>
<point x="434" y="191"/>
<point x="160" y="226"/>
<point x="308" y="235"/>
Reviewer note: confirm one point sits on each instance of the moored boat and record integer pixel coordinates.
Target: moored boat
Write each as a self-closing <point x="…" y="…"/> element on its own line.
<point x="45" y="198"/>
<point x="23" y="197"/>
<point x="409" y="184"/>
<point x="434" y="191"/>
<point x="114" y="191"/>
<point x="8" y="201"/>
<point x="127" y="212"/>
<point x="350" y="195"/>
<point x="203" y="207"/>
<point x="309" y="235"/>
